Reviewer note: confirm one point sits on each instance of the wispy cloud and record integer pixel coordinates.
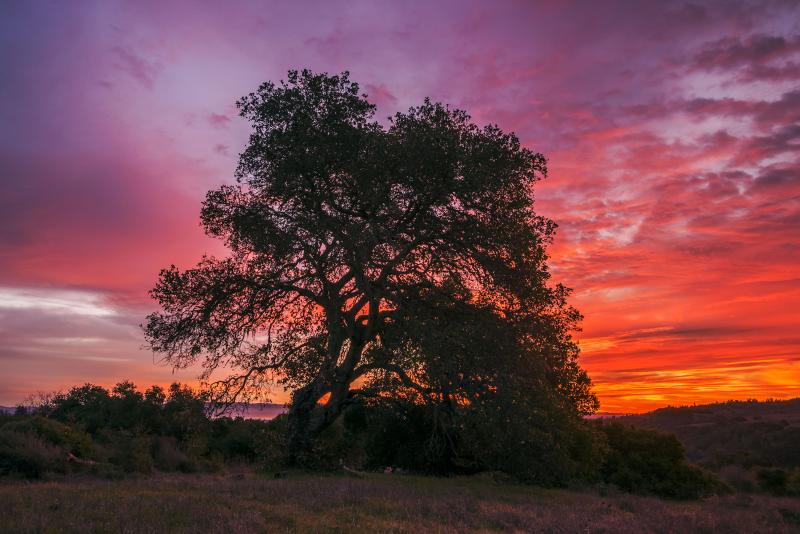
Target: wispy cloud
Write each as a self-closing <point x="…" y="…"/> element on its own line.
<point x="140" y="69"/>
<point x="55" y="301"/>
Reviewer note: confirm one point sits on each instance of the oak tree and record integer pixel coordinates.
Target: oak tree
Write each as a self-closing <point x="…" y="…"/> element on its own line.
<point x="365" y="259"/>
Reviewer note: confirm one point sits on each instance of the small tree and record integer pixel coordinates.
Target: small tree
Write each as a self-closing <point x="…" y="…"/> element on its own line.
<point x="372" y="261"/>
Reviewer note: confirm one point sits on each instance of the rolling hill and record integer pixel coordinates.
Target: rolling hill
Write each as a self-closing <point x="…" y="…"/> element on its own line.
<point x="741" y="433"/>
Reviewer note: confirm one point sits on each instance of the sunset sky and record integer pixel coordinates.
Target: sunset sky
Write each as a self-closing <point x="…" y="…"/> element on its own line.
<point x="672" y="132"/>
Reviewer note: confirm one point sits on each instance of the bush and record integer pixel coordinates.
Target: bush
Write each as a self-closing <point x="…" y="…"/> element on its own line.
<point x="168" y="457"/>
<point x="64" y="436"/>
<point x="29" y="456"/>
<point x="397" y="434"/>
<point x="271" y="447"/>
<point x="544" y="447"/>
<point x="793" y="484"/>
<point x="129" y="451"/>
<point x="650" y="462"/>
<point x="237" y="439"/>
<point x="125" y="431"/>
<point x="774" y="481"/>
<point x="738" y="478"/>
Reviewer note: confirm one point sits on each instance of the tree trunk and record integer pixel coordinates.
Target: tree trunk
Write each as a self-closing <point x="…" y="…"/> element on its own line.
<point x="306" y="417"/>
<point x="301" y="429"/>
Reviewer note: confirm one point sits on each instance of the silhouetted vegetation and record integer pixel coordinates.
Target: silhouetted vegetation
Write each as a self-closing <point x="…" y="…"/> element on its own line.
<point x="114" y="433"/>
<point x="372" y="262"/>
<point x="110" y="433"/>
<point x="422" y="439"/>
<point x="751" y="445"/>
<point x="650" y="462"/>
<point x="95" y="431"/>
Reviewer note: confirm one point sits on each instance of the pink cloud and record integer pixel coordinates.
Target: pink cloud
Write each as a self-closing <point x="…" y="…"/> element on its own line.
<point x="218" y="120"/>
<point x="380" y="95"/>
<point x="731" y="52"/>
<point x="142" y="70"/>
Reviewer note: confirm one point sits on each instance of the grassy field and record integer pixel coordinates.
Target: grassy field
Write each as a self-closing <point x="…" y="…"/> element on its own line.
<point x="377" y="503"/>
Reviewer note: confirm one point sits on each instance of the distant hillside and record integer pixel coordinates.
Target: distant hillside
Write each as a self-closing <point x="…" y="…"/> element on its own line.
<point x="743" y="433"/>
<point x="257" y="410"/>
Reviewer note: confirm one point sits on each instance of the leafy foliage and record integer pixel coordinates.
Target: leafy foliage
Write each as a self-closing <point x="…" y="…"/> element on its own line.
<point x="646" y="461"/>
<point x="110" y="433"/>
<point x="551" y="449"/>
<point x="28" y="455"/>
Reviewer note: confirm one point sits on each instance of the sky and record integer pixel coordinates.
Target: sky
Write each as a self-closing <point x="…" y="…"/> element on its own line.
<point x="672" y="131"/>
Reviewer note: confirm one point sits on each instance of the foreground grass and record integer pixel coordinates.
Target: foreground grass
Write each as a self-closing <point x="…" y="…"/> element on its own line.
<point x="378" y="503"/>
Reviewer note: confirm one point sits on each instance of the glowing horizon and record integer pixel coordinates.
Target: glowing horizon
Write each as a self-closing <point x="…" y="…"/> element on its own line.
<point x="671" y="132"/>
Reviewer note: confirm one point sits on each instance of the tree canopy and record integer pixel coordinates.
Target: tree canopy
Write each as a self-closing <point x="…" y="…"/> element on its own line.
<point x="401" y="261"/>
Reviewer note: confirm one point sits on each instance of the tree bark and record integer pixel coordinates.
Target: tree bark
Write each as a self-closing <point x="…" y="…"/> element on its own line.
<point x="301" y="428"/>
<point x="307" y="419"/>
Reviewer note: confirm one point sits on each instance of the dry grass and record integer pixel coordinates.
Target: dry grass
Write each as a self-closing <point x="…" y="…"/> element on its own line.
<point x="377" y="503"/>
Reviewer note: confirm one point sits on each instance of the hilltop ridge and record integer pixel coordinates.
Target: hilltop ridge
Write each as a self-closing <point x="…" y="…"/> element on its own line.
<point x="741" y="433"/>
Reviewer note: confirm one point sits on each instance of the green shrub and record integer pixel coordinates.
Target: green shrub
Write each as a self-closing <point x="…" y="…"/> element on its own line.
<point x="544" y="447"/>
<point x="650" y="462"/>
<point x="237" y="439"/>
<point x="542" y="444"/>
<point x="738" y="478"/>
<point x="399" y="435"/>
<point x="271" y="446"/>
<point x="67" y="437"/>
<point x="168" y="457"/>
<point x="774" y="481"/>
<point x="129" y="451"/>
<point x="793" y="484"/>
<point x="27" y="455"/>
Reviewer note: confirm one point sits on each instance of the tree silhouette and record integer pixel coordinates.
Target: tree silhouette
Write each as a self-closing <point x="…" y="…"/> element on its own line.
<point x="405" y="260"/>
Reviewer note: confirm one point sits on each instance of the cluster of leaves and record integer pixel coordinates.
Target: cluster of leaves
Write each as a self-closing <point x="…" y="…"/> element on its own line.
<point x="124" y="430"/>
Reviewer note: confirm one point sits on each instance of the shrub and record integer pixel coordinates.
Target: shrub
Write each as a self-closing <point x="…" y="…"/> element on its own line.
<point x="168" y="457"/>
<point x="271" y="447"/>
<point x="544" y="447"/>
<point x="398" y="434"/>
<point x="793" y="484"/>
<point x="237" y="438"/>
<point x="650" y="462"/>
<point x="540" y="444"/>
<point x="87" y="406"/>
<point x="738" y="478"/>
<point x="27" y="455"/>
<point x="130" y="451"/>
<point x="73" y="440"/>
<point x="774" y="481"/>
